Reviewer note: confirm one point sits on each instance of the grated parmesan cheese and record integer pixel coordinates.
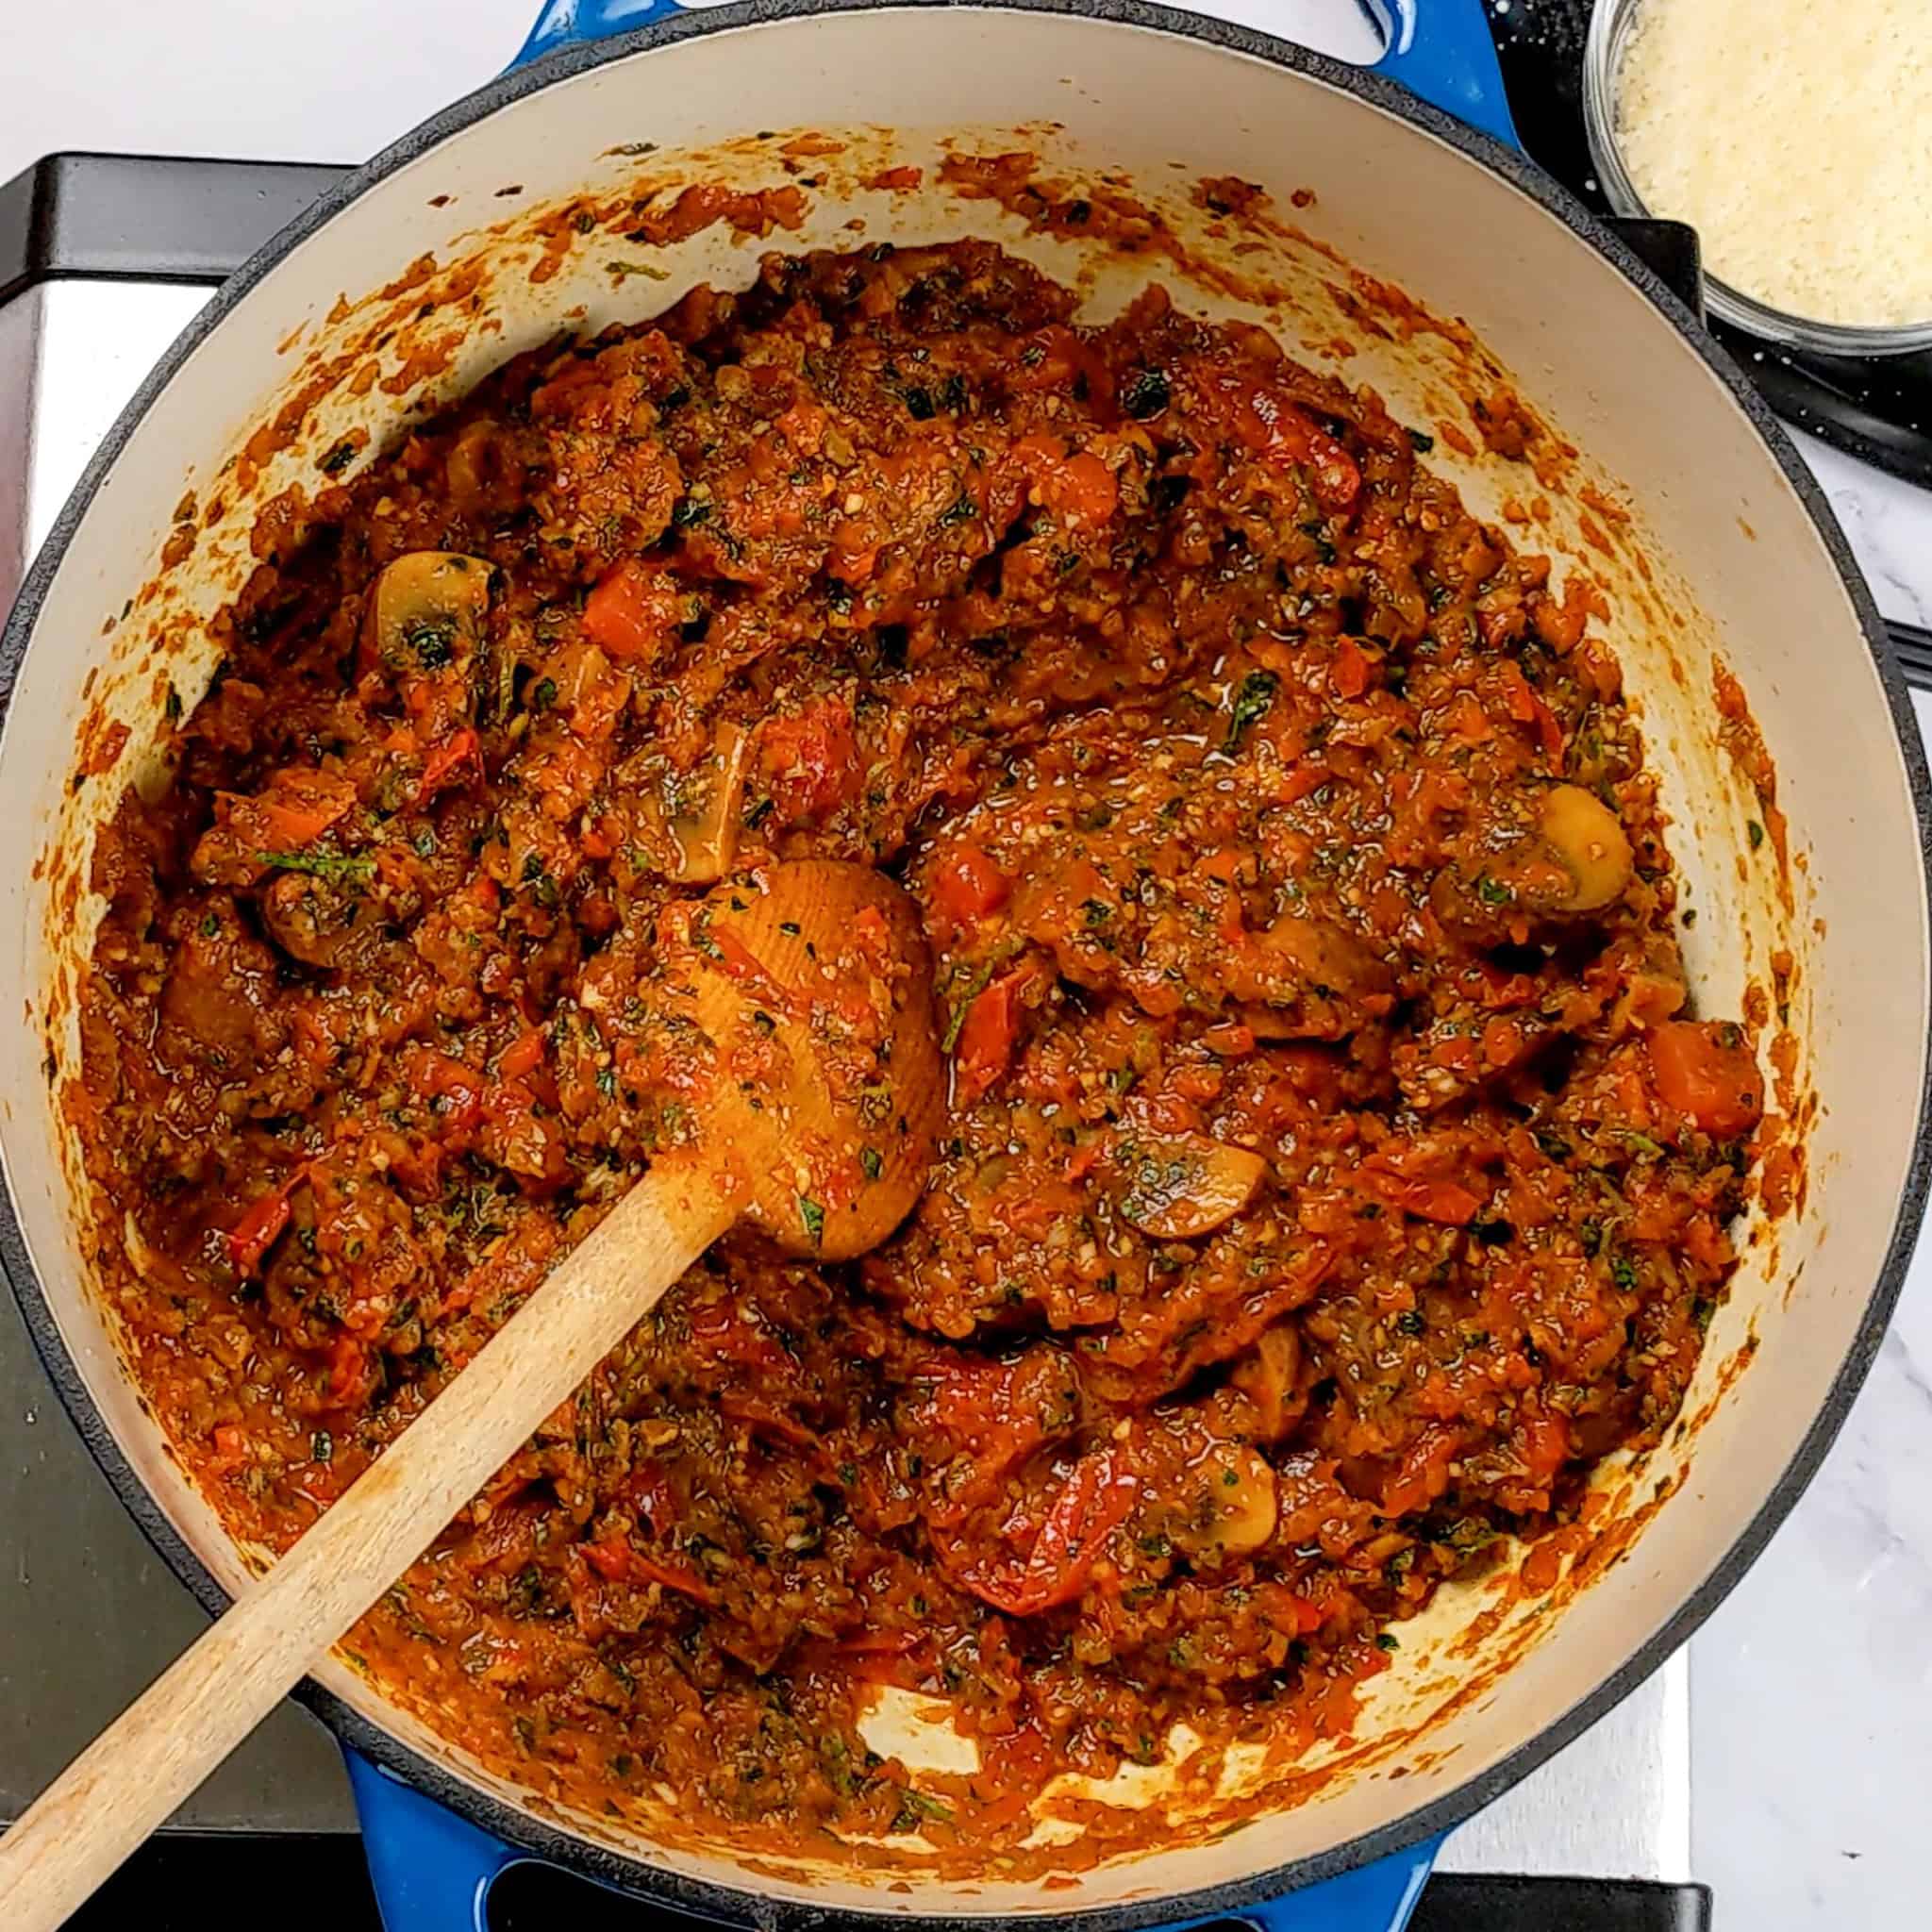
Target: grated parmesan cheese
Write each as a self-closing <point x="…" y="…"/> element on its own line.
<point x="1796" y="137"/>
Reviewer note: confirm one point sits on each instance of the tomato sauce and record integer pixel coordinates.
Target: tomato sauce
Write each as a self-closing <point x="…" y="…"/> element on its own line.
<point x="1335" y="1169"/>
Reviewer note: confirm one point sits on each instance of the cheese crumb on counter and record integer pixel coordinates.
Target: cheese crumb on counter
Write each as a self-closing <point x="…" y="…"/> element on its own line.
<point x="1797" y="139"/>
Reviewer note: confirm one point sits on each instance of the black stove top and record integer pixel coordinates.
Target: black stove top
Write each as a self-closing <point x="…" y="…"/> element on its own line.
<point x="315" y="1882"/>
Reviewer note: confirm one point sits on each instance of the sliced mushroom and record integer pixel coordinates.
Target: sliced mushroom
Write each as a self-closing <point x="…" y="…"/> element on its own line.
<point x="1232" y="1506"/>
<point x="426" y="613"/>
<point x="1324" y="955"/>
<point x="1268" y="1375"/>
<point x="1536" y="857"/>
<point x="711" y="799"/>
<point x="1182" y="1188"/>
<point x="1585" y="838"/>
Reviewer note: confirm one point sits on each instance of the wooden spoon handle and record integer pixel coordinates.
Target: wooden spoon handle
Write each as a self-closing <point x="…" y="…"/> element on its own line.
<point x="131" y="1778"/>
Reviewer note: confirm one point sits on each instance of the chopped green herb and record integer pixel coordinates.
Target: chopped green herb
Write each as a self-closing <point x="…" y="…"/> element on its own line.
<point x="1623" y="1273"/>
<point x="813" y="1216"/>
<point x="915" y="1806"/>
<point x="324" y="865"/>
<point x="211" y="924"/>
<point x="322" y="1447"/>
<point x="432" y="639"/>
<point x="1250" y="702"/>
<point x="1146" y="395"/>
<point x="1421" y="442"/>
<point x="544" y="694"/>
<point x="962" y="510"/>
<point x="171" y="706"/>
<point x="1755" y="832"/>
<point x="975" y="986"/>
<point x="871" y="1161"/>
<point x="1385" y="1640"/>
<point x="1467" y="1534"/>
<point x="1492" y="891"/>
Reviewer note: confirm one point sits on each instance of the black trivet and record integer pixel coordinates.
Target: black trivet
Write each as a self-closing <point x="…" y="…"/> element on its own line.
<point x="315" y="1882"/>
<point x="1875" y="406"/>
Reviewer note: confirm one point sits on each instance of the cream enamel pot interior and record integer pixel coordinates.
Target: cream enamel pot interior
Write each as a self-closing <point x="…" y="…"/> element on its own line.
<point x="1687" y="505"/>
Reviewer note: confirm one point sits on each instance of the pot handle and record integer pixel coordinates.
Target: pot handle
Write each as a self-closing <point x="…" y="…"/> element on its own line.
<point x="431" y="1872"/>
<point x="572" y="23"/>
<point x="1372" y="1898"/>
<point x="430" y="1869"/>
<point x="1438" y="49"/>
<point x="1443" y="51"/>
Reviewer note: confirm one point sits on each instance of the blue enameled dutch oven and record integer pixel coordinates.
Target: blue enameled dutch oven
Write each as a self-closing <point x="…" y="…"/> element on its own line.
<point x="1684" y="502"/>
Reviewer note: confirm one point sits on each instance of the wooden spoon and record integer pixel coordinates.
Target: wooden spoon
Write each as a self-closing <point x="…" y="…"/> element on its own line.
<point x="797" y="1011"/>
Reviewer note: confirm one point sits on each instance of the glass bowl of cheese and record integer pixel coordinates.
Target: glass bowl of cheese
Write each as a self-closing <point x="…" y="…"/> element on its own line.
<point x="1796" y="139"/>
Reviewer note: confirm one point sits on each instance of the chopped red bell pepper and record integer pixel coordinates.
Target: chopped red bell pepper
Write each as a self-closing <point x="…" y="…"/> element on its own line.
<point x="522" y="1056"/>
<point x="261" y="1225"/>
<point x="619" y="1562"/>
<point x="988" y="1035"/>
<point x="443" y="762"/>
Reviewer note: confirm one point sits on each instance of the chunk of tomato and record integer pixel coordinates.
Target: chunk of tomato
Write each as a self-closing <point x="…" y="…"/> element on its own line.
<point x="1428" y="1200"/>
<point x="1707" y="1072"/>
<point x="811" y="760"/>
<point x="967" y="887"/>
<point x="633" y="614"/>
<point x="1091" y="1504"/>
<point x="261" y="1225"/>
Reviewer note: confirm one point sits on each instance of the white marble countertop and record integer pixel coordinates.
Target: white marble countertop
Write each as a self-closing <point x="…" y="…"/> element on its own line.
<point x="1811" y="1692"/>
<point x="1811" y="1688"/>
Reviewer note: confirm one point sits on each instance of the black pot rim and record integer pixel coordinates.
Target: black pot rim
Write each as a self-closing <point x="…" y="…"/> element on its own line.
<point x="518" y="1830"/>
